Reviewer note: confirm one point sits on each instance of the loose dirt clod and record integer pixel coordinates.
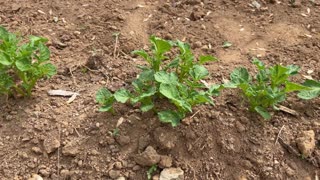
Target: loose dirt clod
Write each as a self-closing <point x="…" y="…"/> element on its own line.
<point x="306" y="142"/>
<point x="147" y="158"/>
<point x="165" y="162"/>
<point x="70" y="149"/>
<point x="51" y="144"/>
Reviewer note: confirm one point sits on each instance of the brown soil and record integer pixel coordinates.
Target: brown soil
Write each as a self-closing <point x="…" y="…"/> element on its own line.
<point x="222" y="142"/>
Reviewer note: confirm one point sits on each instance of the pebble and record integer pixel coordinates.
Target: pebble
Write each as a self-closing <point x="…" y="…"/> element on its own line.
<point x="136" y="168"/>
<point x="35" y="177"/>
<point x="65" y="173"/>
<point x="172" y="174"/>
<point x="118" y="165"/>
<point x="114" y="174"/>
<point x="36" y="150"/>
<point x="44" y="172"/>
<point x="197" y="44"/>
<point x="121" y="178"/>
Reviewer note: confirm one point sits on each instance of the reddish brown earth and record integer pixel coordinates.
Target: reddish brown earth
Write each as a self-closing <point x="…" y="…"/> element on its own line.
<point x="46" y="136"/>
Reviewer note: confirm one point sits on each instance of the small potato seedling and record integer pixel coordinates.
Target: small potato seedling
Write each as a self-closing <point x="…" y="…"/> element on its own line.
<point x="177" y="79"/>
<point x="268" y="88"/>
<point x="22" y="65"/>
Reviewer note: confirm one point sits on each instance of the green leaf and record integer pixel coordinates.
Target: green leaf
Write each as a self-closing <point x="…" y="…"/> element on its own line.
<point x="3" y="33"/>
<point x="143" y="54"/>
<point x="23" y="64"/>
<point x="146" y="75"/>
<point x="6" y="82"/>
<point x="5" y="59"/>
<point x="227" y="44"/>
<point x="35" y="40"/>
<point x="169" y="116"/>
<point x="205" y="59"/>
<point x="169" y="91"/>
<point x="48" y="70"/>
<point x="105" y="97"/>
<point x="293" y="69"/>
<point x="200" y="98"/>
<point x="258" y="63"/>
<point x="106" y="108"/>
<point x="167" y="78"/>
<point x="149" y="92"/>
<point x="173" y="64"/>
<point x="184" y="47"/>
<point x="263" y="112"/>
<point x="160" y="46"/>
<point x="240" y="75"/>
<point x="198" y="72"/>
<point x="44" y="53"/>
<point x="313" y="92"/>
<point x="122" y="95"/>
<point x="279" y="75"/>
<point x="146" y="105"/>
<point x="214" y="90"/>
<point x="172" y="92"/>
<point x="290" y="87"/>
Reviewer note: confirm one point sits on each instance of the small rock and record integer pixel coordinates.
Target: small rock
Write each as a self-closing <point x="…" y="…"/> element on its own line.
<point x="118" y="165"/>
<point x="51" y="144"/>
<point x="35" y="177"/>
<point x="156" y="177"/>
<point x="123" y="140"/>
<point x="172" y="174"/>
<point x="290" y="171"/>
<point x="197" y="44"/>
<point x="165" y="162"/>
<point x="136" y="168"/>
<point x="246" y="164"/>
<point x="70" y="149"/>
<point x="121" y="178"/>
<point x="240" y="127"/>
<point x="306" y="142"/>
<point x="114" y="174"/>
<point x="44" y="172"/>
<point x="65" y="173"/>
<point x="148" y="158"/>
<point x="110" y="140"/>
<point x="36" y="150"/>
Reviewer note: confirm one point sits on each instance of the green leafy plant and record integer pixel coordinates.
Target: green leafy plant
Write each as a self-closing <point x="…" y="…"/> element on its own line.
<point x="313" y="92"/>
<point x="267" y="88"/>
<point x="150" y="171"/>
<point x="22" y="65"/>
<point x="178" y="79"/>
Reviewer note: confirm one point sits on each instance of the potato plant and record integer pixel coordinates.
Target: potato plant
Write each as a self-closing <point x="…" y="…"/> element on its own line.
<point x="22" y="64"/>
<point x="177" y="79"/>
<point x="268" y="87"/>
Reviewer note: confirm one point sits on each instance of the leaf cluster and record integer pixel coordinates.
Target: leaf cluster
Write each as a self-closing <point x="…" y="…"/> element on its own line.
<point x="22" y="65"/>
<point x="268" y="87"/>
<point x="177" y="79"/>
